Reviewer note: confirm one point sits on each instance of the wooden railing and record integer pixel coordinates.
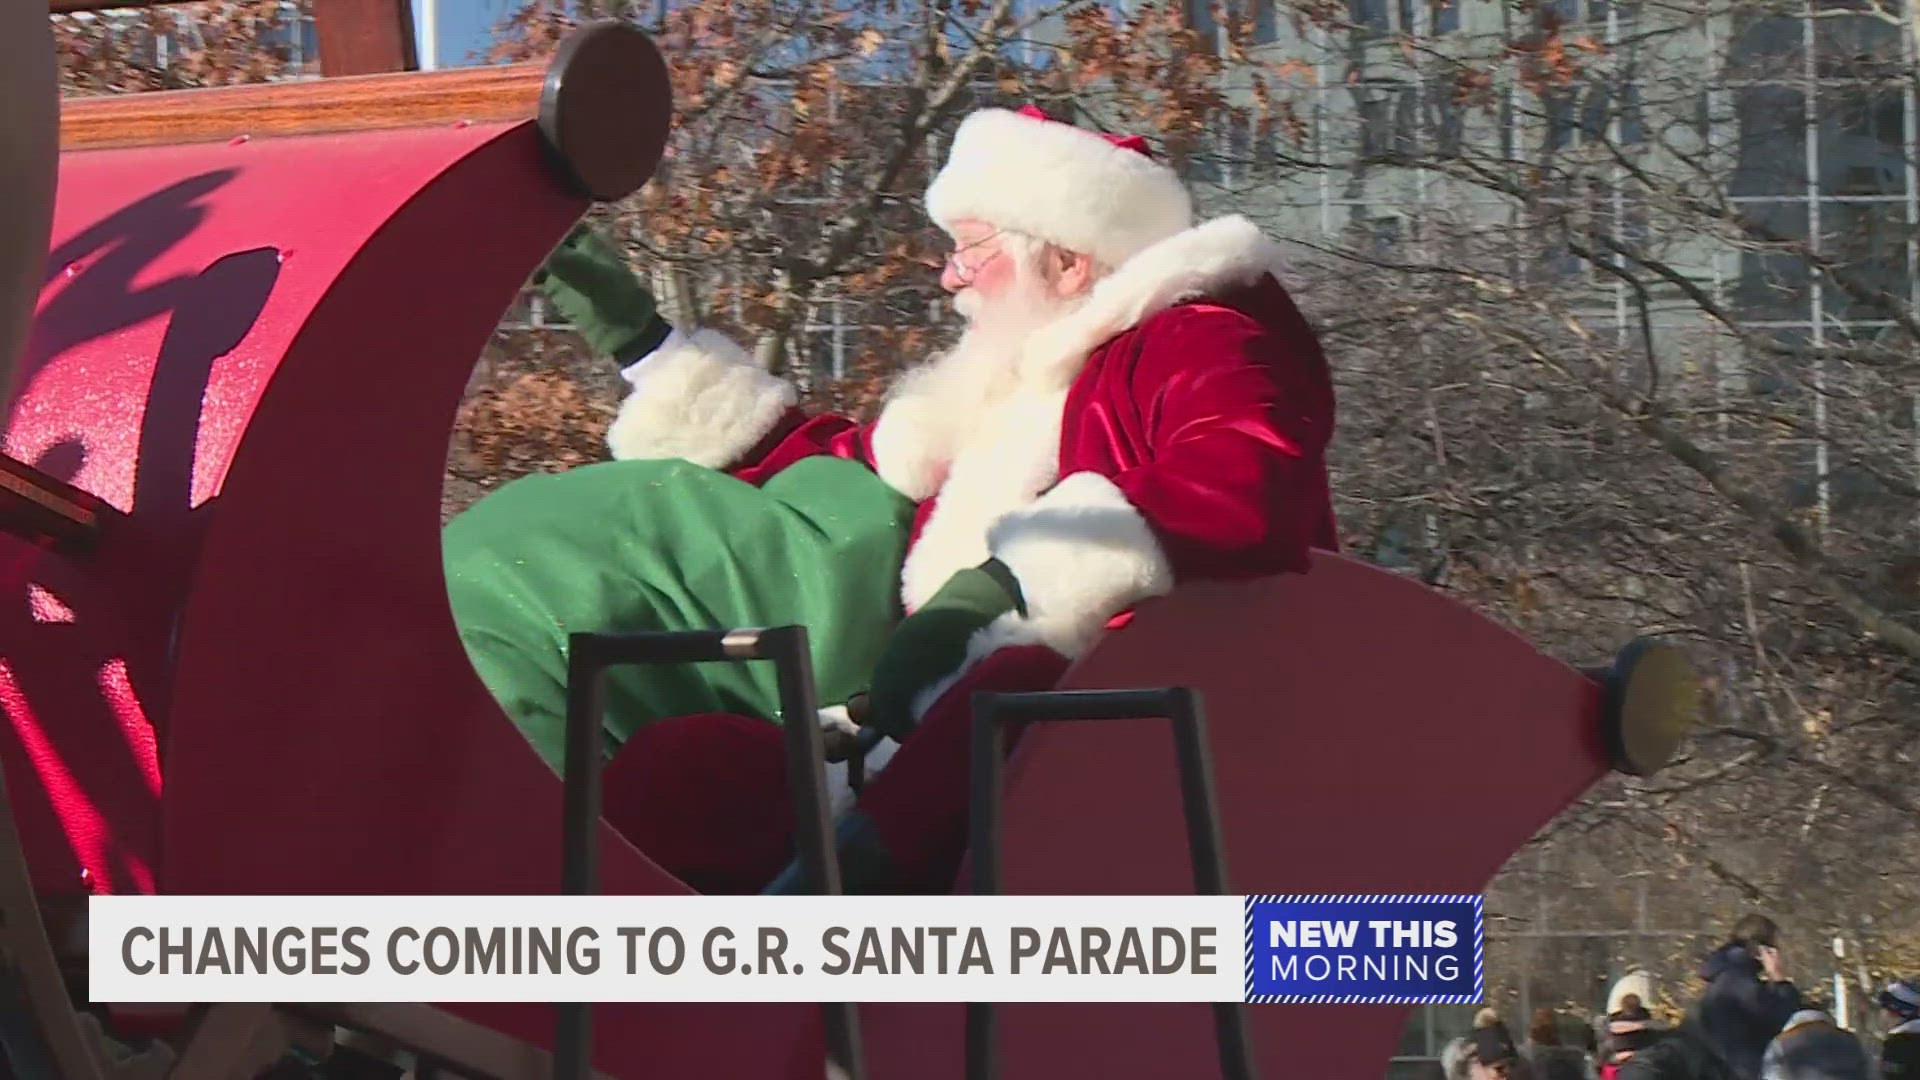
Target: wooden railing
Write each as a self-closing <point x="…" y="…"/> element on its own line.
<point x="39" y="508"/>
<point x="360" y="103"/>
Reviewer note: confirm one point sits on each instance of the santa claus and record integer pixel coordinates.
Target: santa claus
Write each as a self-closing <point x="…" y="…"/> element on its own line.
<point x="1135" y="402"/>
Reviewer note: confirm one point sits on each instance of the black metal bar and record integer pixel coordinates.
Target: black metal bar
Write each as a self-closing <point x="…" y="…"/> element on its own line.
<point x="1181" y="707"/>
<point x="1208" y="852"/>
<point x="580" y="768"/>
<point x="1196" y="792"/>
<point x="786" y="646"/>
<point x="676" y="647"/>
<point x="579" y="832"/>
<point x="982" y="1045"/>
<point x="1154" y="704"/>
<point x="589" y="656"/>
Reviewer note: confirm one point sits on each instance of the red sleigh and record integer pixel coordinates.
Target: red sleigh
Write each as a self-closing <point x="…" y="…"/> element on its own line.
<point x="229" y="666"/>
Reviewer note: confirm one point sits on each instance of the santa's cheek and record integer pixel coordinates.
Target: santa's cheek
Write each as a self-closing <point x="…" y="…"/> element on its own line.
<point x="996" y="277"/>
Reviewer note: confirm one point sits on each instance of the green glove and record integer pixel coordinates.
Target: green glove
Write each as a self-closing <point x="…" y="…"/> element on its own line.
<point x="592" y="285"/>
<point x="931" y="644"/>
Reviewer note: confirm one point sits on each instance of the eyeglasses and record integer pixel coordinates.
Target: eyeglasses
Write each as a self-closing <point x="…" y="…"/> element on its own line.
<point x="959" y="266"/>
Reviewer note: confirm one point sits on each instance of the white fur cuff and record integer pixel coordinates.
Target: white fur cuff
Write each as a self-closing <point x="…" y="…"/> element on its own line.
<point x="700" y="398"/>
<point x="1083" y="554"/>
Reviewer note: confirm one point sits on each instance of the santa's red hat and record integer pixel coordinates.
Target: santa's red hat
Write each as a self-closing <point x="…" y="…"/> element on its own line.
<point x="1100" y="195"/>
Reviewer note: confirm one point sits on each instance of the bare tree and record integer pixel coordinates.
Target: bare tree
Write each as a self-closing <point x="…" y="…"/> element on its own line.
<point x="1621" y="298"/>
<point x="215" y="43"/>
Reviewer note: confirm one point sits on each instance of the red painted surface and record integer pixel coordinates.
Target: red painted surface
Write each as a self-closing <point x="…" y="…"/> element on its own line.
<point x="82" y="770"/>
<point x="1368" y="735"/>
<point x="255" y="351"/>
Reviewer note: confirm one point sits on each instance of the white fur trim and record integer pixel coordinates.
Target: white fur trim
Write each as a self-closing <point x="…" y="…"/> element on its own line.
<point x="1010" y="457"/>
<point x="986" y="465"/>
<point x="1082" y="554"/>
<point x="1224" y="253"/>
<point x="915" y="439"/>
<point x="698" y="397"/>
<point x="1060" y="183"/>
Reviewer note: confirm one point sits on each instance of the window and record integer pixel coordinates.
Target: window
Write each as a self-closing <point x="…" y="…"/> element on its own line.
<point x="1404" y="16"/>
<point x="1260" y="19"/>
<point x="1266" y="23"/>
<point x="1266" y="162"/>
<point x="1633" y="124"/>
<point x="1446" y="116"/>
<point x="1596" y="112"/>
<point x="1386" y="234"/>
<point x="1388" y="116"/>
<point x="1239" y="147"/>
<point x="1558" y="106"/>
<point x="1860" y="140"/>
<point x="1869" y="239"/>
<point x="1201" y="19"/>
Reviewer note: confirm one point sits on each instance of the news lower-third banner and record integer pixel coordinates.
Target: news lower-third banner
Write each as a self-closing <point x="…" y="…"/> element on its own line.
<point x="1263" y="949"/>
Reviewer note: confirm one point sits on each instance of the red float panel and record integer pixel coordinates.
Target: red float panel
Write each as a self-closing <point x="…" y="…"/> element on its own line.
<point x="255" y="350"/>
<point x="1368" y="736"/>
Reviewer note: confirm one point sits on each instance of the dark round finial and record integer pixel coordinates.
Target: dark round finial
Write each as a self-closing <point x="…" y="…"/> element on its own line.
<point x="1651" y="701"/>
<point x="606" y="108"/>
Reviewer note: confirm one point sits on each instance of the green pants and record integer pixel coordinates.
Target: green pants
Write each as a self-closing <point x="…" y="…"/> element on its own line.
<point x="667" y="545"/>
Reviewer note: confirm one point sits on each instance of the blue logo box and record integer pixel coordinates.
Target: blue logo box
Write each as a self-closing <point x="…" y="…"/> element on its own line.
<point x="1364" y="949"/>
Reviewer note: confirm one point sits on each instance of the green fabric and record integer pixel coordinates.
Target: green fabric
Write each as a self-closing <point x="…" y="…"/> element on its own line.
<point x="591" y="285"/>
<point x="931" y="644"/>
<point x="666" y="545"/>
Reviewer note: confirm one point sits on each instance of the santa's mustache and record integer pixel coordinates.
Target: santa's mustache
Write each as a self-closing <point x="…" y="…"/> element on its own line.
<point x="1021" y="308"/>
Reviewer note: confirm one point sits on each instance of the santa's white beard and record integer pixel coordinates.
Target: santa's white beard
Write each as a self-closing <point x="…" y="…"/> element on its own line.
<point x="983" y="366"/>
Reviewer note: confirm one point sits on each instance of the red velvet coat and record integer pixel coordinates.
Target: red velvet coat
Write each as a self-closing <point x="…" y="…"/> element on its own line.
<point x="1174" y="427"/>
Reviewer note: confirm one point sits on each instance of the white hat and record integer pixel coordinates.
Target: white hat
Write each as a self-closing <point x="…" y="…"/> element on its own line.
<point x="1100" y="195"/>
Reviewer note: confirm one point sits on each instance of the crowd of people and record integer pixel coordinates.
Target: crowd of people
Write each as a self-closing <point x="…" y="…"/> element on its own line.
<point x="1749" y="1022"/>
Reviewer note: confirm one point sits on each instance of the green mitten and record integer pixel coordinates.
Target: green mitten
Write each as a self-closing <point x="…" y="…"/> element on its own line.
<point x="931" y="644"/>
<point x="592" y="285"/>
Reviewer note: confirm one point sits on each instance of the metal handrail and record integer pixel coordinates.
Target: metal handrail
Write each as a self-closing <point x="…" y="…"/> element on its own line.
<point x="1182" y="707"/>
<point x="588" y="658"/>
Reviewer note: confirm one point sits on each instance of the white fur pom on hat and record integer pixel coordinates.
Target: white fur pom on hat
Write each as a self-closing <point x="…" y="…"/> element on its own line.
<point x="1085" y="191"/>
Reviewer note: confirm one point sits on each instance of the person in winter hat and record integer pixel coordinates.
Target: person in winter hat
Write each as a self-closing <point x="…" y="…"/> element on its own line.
<point x="1683" y="1053"/>
<point x="1135" y="401"/>
<point x="1624" y="1046"/>
<point x="1813" y="1047"/>
<point x="1491" y="1053"/>
<point x="1456" y="1059"/>
<point x="1627" y="1030"/>
<point x="1548" y="1055"/>
<point x="1900" y="1051"/>
<point x="1747" y="1000"/>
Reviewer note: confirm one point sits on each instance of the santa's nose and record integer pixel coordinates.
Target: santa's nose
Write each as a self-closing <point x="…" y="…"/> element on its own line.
<point x="951" y="277"/>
